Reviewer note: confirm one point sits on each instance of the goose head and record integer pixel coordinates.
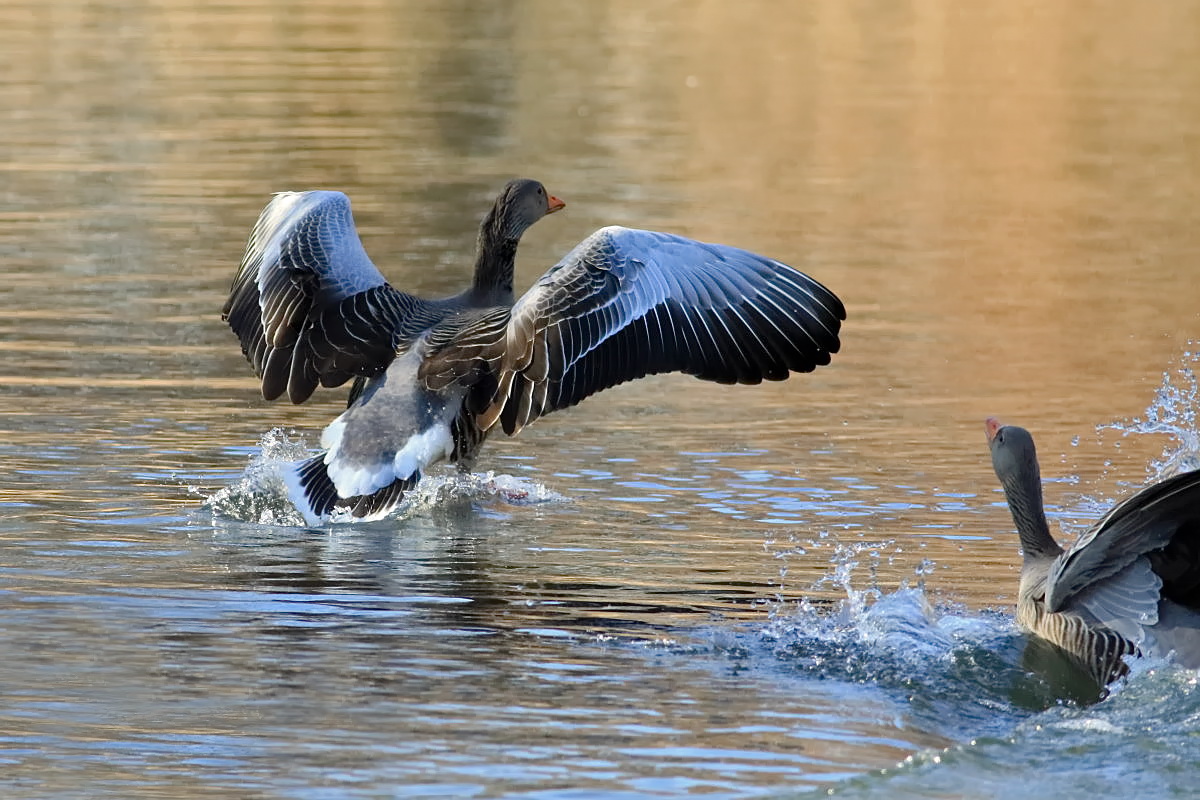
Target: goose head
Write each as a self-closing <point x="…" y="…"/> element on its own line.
<point x="521" y="203"/>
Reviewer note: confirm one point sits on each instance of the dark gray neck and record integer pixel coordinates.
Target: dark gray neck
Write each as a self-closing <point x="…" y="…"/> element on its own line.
<point x="495" y="260"/>
<point x="1024" y="495"/>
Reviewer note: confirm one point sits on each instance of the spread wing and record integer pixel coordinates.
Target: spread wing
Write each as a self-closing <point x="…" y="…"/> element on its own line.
<point x="1126" y="601"/>
<point x="1105" y="566"/>
<point x="307" y="303"/>
<point x="627" y="303"/>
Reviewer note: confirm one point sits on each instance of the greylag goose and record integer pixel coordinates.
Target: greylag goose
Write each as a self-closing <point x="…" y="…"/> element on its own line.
<point x="1129" y="585"/>
<point x="433" y="377"/>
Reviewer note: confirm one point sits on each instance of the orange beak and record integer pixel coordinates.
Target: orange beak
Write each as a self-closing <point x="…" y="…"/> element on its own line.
<point x="554" y="204"/>
<point x="993" y="427"/>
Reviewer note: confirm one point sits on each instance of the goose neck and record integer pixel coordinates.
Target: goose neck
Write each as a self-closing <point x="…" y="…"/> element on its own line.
<point x="1024" y="495"/>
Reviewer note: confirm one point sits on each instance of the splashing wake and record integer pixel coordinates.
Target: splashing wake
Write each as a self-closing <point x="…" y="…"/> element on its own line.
<point x="1171" y="413"/>
<point x="260" y="495"/>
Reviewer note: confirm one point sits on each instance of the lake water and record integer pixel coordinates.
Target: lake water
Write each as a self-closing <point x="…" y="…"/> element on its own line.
<point x="725" y="592"/>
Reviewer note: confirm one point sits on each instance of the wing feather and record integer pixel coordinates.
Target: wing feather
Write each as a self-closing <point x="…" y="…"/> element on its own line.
<point x="627" y="303"/>
<point x="308" y="305"/>
<point x="1143" y="524"/>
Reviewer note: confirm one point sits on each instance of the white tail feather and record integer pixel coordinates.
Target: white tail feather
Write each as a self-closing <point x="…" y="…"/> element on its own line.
<point x="296" y="493"/>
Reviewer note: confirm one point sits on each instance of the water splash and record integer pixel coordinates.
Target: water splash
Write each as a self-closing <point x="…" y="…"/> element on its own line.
<point x="903" y="622"/>
<point x="950" y="662"/>
<point x="1141" y="738"/>
<point x="845" y="559"/>
<point x="938" y="674"/>
<point x="439" y="490"/>
<point x="1171" y="413"/>
<point x="260" y="495"/>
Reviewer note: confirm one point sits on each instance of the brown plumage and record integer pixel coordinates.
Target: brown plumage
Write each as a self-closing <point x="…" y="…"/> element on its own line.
<point x="433" y="377"/>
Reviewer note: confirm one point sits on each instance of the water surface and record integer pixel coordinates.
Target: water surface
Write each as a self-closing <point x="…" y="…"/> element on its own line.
<point x="706" y="590"/>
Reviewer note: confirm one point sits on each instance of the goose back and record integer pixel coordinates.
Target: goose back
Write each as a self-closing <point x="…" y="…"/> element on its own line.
<point x="433" y="377"/>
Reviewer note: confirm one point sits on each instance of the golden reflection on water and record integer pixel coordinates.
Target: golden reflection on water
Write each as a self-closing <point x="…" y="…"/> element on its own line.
<point x="1003" y="194"/>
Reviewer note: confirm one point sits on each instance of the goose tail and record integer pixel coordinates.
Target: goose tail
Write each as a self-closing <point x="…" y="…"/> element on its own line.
<point x="315" y="496"/>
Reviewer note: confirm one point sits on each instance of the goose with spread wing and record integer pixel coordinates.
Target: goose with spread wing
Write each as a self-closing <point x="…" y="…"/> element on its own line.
<point x="433" y="377"/>
<point x="1129" y="585"/>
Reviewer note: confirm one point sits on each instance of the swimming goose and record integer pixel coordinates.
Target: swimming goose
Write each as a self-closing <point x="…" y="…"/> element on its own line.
<point x="1129" y="585"/>
<point x="434" y="377"/>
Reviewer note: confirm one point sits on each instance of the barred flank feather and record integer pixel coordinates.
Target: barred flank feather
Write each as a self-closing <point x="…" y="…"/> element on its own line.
<point x="1098" y="651"/>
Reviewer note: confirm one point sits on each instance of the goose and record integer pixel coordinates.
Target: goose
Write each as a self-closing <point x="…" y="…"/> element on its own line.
<point x="433" y="377"/>
<point x="1129" y="585"/>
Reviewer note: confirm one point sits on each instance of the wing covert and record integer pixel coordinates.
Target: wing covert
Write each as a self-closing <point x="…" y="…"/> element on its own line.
<point x="1141" y="525"/>
<point x="307" y="304"/>
<point x="628" y="303"/>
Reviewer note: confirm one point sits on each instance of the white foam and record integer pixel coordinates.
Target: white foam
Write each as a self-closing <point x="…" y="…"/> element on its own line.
<point x="1092" y="725"/>
<point x="261" y="494"/>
